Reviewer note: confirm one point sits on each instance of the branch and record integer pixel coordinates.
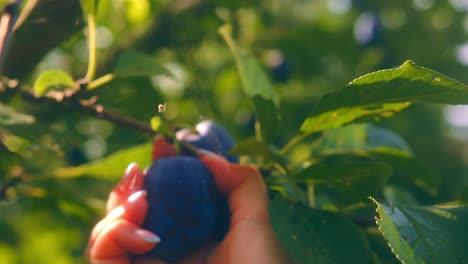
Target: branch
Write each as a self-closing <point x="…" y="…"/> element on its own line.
<point x="8" y="20"/>
<point x="70" y="99"/>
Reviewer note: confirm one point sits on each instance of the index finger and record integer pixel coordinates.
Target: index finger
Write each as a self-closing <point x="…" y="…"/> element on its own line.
<point x="131" y="182"/>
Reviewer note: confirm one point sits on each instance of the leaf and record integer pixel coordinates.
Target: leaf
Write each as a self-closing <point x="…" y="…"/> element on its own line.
<point x="409" y="170"/>
<point x="255" y="83"/>
<point x="383" y="93"/>
<point x="14" y="143"/>
<point x="358" y="137"/>
<point x="383" y="145"/>
<point x="253" y="147"/>
<point x="111" y="167"/>
<point x="354" y="177"/>
<point x="133" y="63"/>
<point x="52" y="79"/>
<point x="89" y="6"/>
<point x="432" y="234"/>
<point x="317" y="236"/>
<point x="8" y="116"/>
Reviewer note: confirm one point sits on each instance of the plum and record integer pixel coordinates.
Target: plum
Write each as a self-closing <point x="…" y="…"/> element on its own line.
<point x="185" y="209"/>
<point x="212" y="137"/>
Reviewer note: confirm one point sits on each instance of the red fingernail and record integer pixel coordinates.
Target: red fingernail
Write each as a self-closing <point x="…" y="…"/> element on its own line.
<point x="129" y="170"/>
<point x="137" y="195"/>
<point x="147" y="236"/>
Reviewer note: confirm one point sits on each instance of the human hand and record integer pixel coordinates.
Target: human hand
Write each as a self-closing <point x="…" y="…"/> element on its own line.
<point x="118" y="237"/>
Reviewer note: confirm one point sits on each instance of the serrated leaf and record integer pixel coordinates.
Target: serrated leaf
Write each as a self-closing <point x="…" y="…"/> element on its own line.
<point x="353" y="176"/>
<point x="383" y="93"/>
<point x="432" y="234"/>
<point x="8" y="116"/>
<point x="52" y="80"/>
<point x="110" y="167"/>
<point x="133" y="63"/>
<point x="317" y="236"/>
<point x="255" y="84"/>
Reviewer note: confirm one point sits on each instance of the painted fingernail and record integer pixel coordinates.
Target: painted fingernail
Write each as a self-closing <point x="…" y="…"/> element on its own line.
<point x="116" y="212"/>
<point x="137" y="195"/>
<point x="129" y="170"/>
<point x="147" y="236"/>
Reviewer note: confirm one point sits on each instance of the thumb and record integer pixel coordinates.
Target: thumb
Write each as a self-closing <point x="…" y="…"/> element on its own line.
<point x="242" y="184"/>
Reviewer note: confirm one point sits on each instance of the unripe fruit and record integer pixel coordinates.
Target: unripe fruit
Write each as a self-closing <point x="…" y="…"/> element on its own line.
<point x="211" y="137"/>
<point x="185" y="209"/>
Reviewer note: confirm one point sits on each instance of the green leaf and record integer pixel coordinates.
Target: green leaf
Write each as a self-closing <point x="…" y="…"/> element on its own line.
<point x="354" y="177"/>
<point x="432" y="234"/>
<point x="317" y="236"/>
<point x="383" y="93"/>
<point x="409" y="170"/>
<point x="14" y="143"/>
<point x="53" y="79"/>
<point x="8" y="116"/>
<point x="133" y="63"/>
<point x="111" y="167"/>
<point x="382" y="144"/>
<point x="89" y="6"/>
<point x="255" y="148"/>
<point x="256" y="84"/>
<point x="358" y="137"/>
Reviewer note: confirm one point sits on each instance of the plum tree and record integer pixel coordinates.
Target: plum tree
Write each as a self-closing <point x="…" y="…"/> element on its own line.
<point x="185" y="207"/>
<point x="212" y="137"/>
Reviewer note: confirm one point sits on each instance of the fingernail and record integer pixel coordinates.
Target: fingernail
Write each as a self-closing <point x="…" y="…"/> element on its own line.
<point x="116" y="212"/>
<point x="147" y="236"/>
<point x="137" y="195"/>
<point x="129" y="170"/>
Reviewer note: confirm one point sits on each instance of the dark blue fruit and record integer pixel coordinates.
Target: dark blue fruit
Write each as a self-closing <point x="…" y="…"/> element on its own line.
<point x="211" y="137"/>
<point x="185" y="209"/>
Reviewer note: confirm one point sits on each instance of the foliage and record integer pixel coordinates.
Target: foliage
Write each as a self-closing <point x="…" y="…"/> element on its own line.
<point x="283" y="78"/>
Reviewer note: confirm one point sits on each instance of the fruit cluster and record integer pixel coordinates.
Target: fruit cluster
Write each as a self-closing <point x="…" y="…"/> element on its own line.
<point x="185" y="208"/>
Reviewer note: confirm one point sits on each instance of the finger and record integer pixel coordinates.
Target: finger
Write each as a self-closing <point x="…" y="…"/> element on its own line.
<point x="244" y="186"/>
<point x="249" y="199"/>
<point x="131" y="182"/>
<point x="162" y="148"/>
<point x="133" y="211"/>
<point x="121" y="238"/>
<point x="221" y="169"/>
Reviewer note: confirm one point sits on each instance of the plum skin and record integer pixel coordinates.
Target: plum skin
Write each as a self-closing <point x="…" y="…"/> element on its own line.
<point x="212" y="137"/>
<point x="184" y="207"/>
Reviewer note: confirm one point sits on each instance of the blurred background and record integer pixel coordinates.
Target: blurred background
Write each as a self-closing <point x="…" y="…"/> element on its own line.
<point x="308" y="48"/>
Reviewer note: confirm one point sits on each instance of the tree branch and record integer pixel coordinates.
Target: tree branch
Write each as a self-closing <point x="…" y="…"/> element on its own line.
<point x="70" y="99"/>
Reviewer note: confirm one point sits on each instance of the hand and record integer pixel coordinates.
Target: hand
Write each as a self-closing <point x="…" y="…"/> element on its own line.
<point x="118" y="237"/>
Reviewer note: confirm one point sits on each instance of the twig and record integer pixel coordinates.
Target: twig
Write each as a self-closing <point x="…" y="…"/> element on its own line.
<point x="70" y="99"/>
<point x="8" y="20"/>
